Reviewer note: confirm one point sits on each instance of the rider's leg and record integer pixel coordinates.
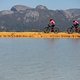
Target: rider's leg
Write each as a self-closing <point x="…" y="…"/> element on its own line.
<point x="52" y="28"/>
<point x="76" y="27"/>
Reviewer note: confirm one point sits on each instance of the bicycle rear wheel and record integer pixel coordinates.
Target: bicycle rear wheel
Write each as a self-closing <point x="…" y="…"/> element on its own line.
<point x="46" y="30"/>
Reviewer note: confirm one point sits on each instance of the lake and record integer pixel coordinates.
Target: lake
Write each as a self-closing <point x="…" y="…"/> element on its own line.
<point x="39" y="59"/>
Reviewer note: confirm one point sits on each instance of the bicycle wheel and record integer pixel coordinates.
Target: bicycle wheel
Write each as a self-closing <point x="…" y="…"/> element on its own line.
<point x="70" y="30"/>
<point x="46" y="30"/>
<point x="78" y="30"/>
<point x="56" y="29"/>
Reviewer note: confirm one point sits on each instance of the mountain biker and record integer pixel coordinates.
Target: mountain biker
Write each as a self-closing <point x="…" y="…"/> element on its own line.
<point x="51" y="24"/>
<point x="75" y="24"/>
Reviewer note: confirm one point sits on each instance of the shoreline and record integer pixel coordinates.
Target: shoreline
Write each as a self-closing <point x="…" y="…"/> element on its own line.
<point x="38" y="35"/>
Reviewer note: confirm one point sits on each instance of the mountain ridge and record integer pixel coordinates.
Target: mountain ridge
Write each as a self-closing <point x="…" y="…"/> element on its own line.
<point x="24" y="18"/>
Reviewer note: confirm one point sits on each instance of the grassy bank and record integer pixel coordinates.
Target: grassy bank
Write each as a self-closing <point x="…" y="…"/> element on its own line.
<point x="37" y="35"/>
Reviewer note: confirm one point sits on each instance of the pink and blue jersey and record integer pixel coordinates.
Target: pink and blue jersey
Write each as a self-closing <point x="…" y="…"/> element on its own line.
<point x="52" y="22"/>
<point x="75" y="22"/>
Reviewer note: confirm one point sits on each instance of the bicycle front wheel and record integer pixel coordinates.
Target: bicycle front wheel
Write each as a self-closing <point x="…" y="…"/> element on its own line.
<point x="56" y="29"/>
<point x="70" y="30"/>
<point x="78" y="30"/>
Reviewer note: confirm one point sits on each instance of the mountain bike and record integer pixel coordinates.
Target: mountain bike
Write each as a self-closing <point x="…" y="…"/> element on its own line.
<point x="72" y="29"/>
<point x="51" y="29"/>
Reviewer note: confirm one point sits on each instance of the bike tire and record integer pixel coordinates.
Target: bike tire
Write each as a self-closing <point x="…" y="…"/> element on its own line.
<point x="70" y="30"/>
<point x="56" y="29"/>
<point x="46" y="30"/>
<point x="79" y="30"/>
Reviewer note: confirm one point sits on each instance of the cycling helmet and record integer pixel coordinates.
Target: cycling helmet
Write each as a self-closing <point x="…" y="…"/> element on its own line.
<point x="51" y="19"/>
<point x="73" y="20"/>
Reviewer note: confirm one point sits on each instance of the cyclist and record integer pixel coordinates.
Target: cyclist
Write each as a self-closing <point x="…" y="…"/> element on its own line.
<point x="75" y="23"/>
<point x="51" y="24"/>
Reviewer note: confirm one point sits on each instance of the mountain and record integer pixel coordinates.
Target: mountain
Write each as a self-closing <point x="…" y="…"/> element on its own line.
<point x="24" y="18"/>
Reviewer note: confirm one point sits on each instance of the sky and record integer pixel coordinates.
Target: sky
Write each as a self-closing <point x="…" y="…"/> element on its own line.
<point x="50" y="4"/>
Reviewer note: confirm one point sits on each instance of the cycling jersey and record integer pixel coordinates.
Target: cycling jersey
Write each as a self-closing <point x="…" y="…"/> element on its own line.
<point x="52" y="22"/>
<point x="75" y="22"/>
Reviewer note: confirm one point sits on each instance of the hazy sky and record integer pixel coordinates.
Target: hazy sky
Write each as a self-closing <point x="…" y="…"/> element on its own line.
<point x="51" y="4"/>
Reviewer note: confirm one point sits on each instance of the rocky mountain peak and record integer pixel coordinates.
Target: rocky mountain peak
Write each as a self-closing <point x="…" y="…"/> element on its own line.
<point x="41" y="7"/>
<point x="19" y="8"/>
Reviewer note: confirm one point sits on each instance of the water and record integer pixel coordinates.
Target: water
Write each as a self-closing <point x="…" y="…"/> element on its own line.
<point x="39" y="59"/>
